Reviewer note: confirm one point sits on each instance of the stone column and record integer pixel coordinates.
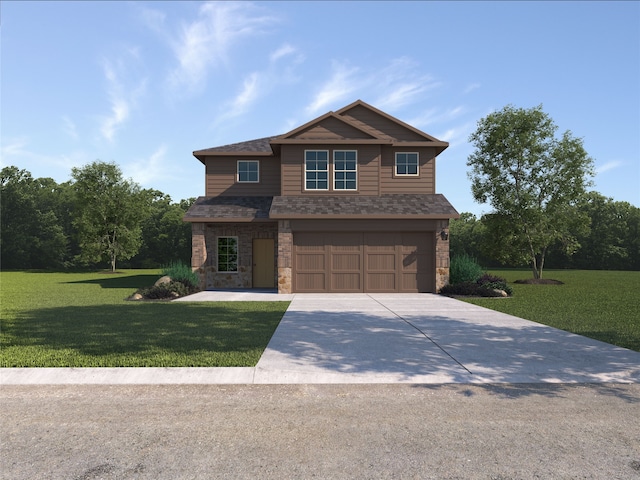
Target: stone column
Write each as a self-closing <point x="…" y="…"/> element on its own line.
<point x="285" y="251"/>
<point x="442" y="254"/>
<point x="198" y="250"/>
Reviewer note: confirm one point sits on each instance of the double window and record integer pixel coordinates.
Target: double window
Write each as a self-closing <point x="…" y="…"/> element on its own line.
<point x="248" y="171"/>
<point x="407" y="164"/>
<point x="227" y="254"/>
<point x="344" y="170"/>
<point x="316" y="170"/>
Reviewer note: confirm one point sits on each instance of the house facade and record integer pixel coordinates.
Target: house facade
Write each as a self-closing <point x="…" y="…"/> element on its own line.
<point x="343" y="203"/>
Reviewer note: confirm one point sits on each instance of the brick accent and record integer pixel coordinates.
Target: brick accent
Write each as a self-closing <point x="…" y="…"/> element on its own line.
<point x="246" y="232"/>
<point x="442" y="255"/>
<point x="285" y="252"/>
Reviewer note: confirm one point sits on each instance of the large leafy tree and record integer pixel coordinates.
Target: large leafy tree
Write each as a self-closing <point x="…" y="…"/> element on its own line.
<point x="532" y="180"/>
<point x="109" y="213"/>
<point x="31" y="234"/>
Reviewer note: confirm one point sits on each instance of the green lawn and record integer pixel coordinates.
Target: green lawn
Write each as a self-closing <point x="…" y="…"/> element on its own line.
<point x="83" y="320"/>
<point x="604" y="305"/>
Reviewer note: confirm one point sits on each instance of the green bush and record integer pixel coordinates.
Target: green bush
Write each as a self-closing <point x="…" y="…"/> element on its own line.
<point x="464" y="268"/>
<point x="165" y="291"/>
<point x="179" y="272"/>
<point x="469" y="289"/>
<point x="494" y="282"/>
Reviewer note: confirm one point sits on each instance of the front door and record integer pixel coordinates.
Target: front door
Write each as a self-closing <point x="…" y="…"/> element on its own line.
<point x="263" y="263"/>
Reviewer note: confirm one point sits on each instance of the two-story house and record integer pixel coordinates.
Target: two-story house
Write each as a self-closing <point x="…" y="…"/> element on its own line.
<point x="343" y="203"/>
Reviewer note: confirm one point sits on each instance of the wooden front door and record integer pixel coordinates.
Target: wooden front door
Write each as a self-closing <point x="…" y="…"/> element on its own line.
<point x="264" y="265"/>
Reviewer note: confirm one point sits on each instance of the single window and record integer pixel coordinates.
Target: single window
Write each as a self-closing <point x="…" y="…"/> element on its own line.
<point x="316" y="170"/>
<point x="406" y="163"/>
<point x="227" y="254"/>
<point x="344" y="170"/>
<point x="248" y="171"/>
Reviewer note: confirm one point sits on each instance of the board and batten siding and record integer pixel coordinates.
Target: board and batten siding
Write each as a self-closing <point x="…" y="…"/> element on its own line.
<point x="221" y="177"/>
<point x="422" y="183"/>
<point x="293" y="169"/>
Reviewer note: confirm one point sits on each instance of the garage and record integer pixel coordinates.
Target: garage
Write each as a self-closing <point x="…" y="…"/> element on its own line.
<point x="373" y="262"/>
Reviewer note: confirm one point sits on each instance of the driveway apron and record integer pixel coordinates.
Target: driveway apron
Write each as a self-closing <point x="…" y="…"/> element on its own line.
<point x="426" y="338"/>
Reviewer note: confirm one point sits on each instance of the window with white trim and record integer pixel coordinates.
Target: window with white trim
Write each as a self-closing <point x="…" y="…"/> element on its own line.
<point x="316" y="170"/>
<point x="345" y="170"/>
<point x="248" y="171"/>
<point x="407" y="164"/>
<point x="227" y="254"/>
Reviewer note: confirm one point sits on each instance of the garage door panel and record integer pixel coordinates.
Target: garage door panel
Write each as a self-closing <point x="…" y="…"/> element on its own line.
<point x="364" y="261"/>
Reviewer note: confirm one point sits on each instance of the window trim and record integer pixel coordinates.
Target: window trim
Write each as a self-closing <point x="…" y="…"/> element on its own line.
<point x="305" y="173"/>
<point x="336" y="171"/>
<point x="395" y="167"/>
<point x="257" y="162"/>
<point x="237" y="240"/>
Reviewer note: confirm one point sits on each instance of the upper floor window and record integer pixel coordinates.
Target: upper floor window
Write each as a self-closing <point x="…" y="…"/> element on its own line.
<point x="248" y="171"/>
<point x="406" y="163"/>
<point x="316" y="170"/>
<point x="344" y="170"/>
<point x="227" y="254"/>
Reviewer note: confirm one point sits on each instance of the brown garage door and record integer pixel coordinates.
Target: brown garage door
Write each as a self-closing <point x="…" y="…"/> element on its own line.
<point x="363" y="262"/>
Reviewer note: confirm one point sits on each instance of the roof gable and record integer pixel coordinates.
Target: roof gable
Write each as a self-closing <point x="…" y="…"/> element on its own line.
<point x="327" y="127"/>
<point x="383" y="124"/>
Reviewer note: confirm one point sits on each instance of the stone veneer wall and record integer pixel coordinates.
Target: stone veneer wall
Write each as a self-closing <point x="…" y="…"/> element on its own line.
<point x="442" y="255"/>
<point x="204" y="256"/>
<point x="285" y="252"/>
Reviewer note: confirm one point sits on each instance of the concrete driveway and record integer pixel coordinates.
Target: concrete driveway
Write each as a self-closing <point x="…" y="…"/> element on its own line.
<point x="425" y="338"/>
<point x="385" y="338"/>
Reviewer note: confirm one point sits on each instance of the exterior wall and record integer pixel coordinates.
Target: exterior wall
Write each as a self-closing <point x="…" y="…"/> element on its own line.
<point x="442" y="255"/>
<point x="221" y="177"/>
<point x="423" y="183"/>
<point x="293" y="169"/>
<point x="206" y="265"/>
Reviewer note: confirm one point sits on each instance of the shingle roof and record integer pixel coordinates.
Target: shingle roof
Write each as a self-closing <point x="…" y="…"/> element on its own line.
<point x="229" y="209"/>
<point x="259" y="145"/>
<point x="384" y="206"/>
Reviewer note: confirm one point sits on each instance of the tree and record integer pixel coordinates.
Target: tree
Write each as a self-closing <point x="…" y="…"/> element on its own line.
<point x="31" y="234"/>
<point x="466" y="235"/>
<point x="109" y="212"/>
<point x="532" y="180"/>
<point x="166" y="237"/>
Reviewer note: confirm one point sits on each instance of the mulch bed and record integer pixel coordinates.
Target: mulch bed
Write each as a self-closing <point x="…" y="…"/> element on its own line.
<point x="539" y="281"/>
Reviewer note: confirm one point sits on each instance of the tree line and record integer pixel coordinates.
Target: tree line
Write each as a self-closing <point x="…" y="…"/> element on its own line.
<point x="610" y="240"/>
<point x="94" y="220"/>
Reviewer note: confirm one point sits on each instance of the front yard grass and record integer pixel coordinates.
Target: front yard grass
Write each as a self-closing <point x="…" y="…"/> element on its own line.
<point x="83" y="320"/>
<point x="604" y="305"/>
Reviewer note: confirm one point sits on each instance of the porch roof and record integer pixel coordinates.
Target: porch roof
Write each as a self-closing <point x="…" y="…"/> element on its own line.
<point x="229" y="209"/>
<point x="391" y="206"/>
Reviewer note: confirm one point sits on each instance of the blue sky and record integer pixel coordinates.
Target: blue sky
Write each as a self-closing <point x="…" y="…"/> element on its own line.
<point x="144" y="84"/>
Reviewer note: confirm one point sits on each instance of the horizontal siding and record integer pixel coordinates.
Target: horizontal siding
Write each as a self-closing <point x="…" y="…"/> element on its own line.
<point x="221" y="177"/>
<point x="423" y="183"/>
<point x="293" y="169"/>
<point x="385" y="125"/>
<point x="331" y="129"/>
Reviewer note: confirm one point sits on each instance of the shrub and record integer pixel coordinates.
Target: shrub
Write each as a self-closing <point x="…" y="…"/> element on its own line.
<point x="164" y="291"/>
<point x="468" y="289"/>
<point x="464" y="268"/>
<point x="493" y="282"/>
<point x="179" y="272"/>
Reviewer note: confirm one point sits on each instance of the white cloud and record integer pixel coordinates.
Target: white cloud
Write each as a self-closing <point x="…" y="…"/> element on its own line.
<point x="121" y="97"/>
<point x="611" y="165"/>
<point x="206" y="42"/>
<point x="458" y="135"/>
<point x="340" y="85"/>
<point x="470" y="88"/>
<point x="149" y="170"/>
<point x="69" y="127"/>
<point x="434" y="116"/>
<point x="283" y="51"/>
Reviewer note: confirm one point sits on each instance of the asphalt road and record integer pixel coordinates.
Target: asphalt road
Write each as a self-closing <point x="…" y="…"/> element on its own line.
<point x="320" y="431"/>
